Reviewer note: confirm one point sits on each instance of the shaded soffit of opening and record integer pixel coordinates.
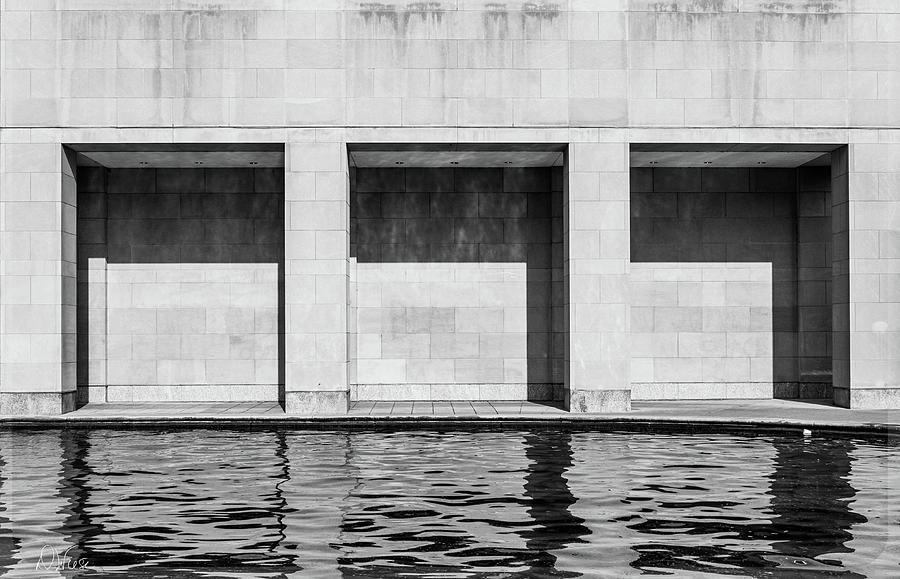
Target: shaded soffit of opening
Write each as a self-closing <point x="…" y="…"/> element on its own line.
<point x="148" y="156"/>
<point x="775" y="156"/>
<point x="513" y="155"/>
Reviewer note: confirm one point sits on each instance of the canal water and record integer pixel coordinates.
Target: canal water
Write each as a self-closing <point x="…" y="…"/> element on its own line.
<point x="503" y="503"/>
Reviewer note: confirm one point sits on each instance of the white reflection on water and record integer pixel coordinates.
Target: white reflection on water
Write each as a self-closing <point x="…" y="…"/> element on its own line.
<point x="35" y="504"/>
<point x="877" y="541"/>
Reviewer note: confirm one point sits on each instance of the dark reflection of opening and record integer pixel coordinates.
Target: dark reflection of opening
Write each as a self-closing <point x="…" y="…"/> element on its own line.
<point x="810" y="518"/>
<point x="9" y="544"/>
<point x="547" y="489"/>
<point x="812" y="494"/>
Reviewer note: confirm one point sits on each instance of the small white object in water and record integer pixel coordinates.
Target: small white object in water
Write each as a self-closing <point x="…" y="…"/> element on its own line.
<point x="807" y="432"/>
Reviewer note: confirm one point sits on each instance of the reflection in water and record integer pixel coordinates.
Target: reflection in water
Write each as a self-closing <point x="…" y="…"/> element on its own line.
<point x="9" y="543"/>
<point x="435" y="503"/>
<point x="319" y="480"/>
<point x="75" y="480"/>
<point x="555" y="527"/>
<point x="811" y="497"/>
<point x="808" y="515"/>
<point x="509" y="503"/>
<point x="157" y="503"/>
<point x="33" y="500"/>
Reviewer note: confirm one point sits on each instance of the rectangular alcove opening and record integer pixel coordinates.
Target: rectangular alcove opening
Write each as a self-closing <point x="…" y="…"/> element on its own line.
<point x="180" y="273"/>
<point x="731" y="251"/>
<point x="456" y="274"/>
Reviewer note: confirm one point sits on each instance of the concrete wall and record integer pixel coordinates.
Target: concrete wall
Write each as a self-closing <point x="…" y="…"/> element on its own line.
<point x="193" y="264"/>
<point x="454" y="280"/>
<point x="472" y="63"/>
<point x="718" y="306"/>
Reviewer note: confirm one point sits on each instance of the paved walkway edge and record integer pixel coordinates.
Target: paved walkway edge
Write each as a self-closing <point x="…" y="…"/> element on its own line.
<point x="605" y="422"/>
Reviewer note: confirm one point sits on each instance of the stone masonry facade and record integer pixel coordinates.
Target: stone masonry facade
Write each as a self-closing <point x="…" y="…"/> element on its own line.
<point x="570" y="202"/>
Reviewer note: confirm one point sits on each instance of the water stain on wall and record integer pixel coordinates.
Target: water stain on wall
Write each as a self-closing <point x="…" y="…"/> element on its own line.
<point x="809" y="15"/>
<point x="809" y="6"/>
<point x="377" y="11"/>
<point x="540" y="10"/>
<point x="538" y="18"/>
<point x="495" y="21"/>
<point x="383" y="20"/>
<point x="688" y="6"/>
<point x="218" y="24"/>
<point x="791" y="7"/>
<point x="89" y="24"/>
<point x="380" y="18"/>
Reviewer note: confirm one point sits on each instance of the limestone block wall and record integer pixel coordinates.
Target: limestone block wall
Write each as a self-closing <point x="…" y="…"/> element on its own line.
<point x="701" y="330"/>
<point x="37" y="278"/>
<point x="315" y="75"/>
<point x="456" y="272"/>
<point x="679" y="63"/>
<point x="192" y="293"/>
<point x="597" y="276"/>
<point x="317" y="224"/>
<point x="866" y="310"/>
<point x="718" y="306"/>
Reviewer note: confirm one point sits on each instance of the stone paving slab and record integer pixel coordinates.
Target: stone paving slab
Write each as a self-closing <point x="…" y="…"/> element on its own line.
<point x="683" y="413"/>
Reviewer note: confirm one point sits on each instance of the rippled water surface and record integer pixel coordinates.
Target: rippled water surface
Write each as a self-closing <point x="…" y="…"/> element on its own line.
<point x="444" y="504"/>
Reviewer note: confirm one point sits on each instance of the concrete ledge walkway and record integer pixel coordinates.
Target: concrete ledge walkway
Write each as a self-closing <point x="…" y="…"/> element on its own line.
<point x="706" y="414"/>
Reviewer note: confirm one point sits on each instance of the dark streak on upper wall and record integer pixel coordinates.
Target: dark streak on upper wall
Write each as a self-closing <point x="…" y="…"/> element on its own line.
<point x="687" y="6"/>
<point x="377" y="10"/>
<point x="495" y="16"/>
<point x="423" y="8"/>
<point x="814" y="6"/>
<point x="540" y="10"/>
<point x="800" y="20"/>
<point x="495" y="20"/>
<point x="216" y="22"/>
<point x="786" y="7"/>
<point x="376" y="13"/>
<point x="534" y="14"/>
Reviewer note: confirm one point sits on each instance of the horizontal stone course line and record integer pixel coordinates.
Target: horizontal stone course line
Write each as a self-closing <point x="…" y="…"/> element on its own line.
<point x="466" y="127"/>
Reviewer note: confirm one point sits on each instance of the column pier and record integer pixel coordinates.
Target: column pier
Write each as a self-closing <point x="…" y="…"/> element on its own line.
<point x="597" y="267"/>
<point x="317" y="222"/>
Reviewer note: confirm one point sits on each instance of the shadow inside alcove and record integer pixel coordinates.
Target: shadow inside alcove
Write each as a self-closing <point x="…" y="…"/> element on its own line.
<point x="690" y="216"/>
<point x="180" y="275"/>
<point x="467" y="267"/>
